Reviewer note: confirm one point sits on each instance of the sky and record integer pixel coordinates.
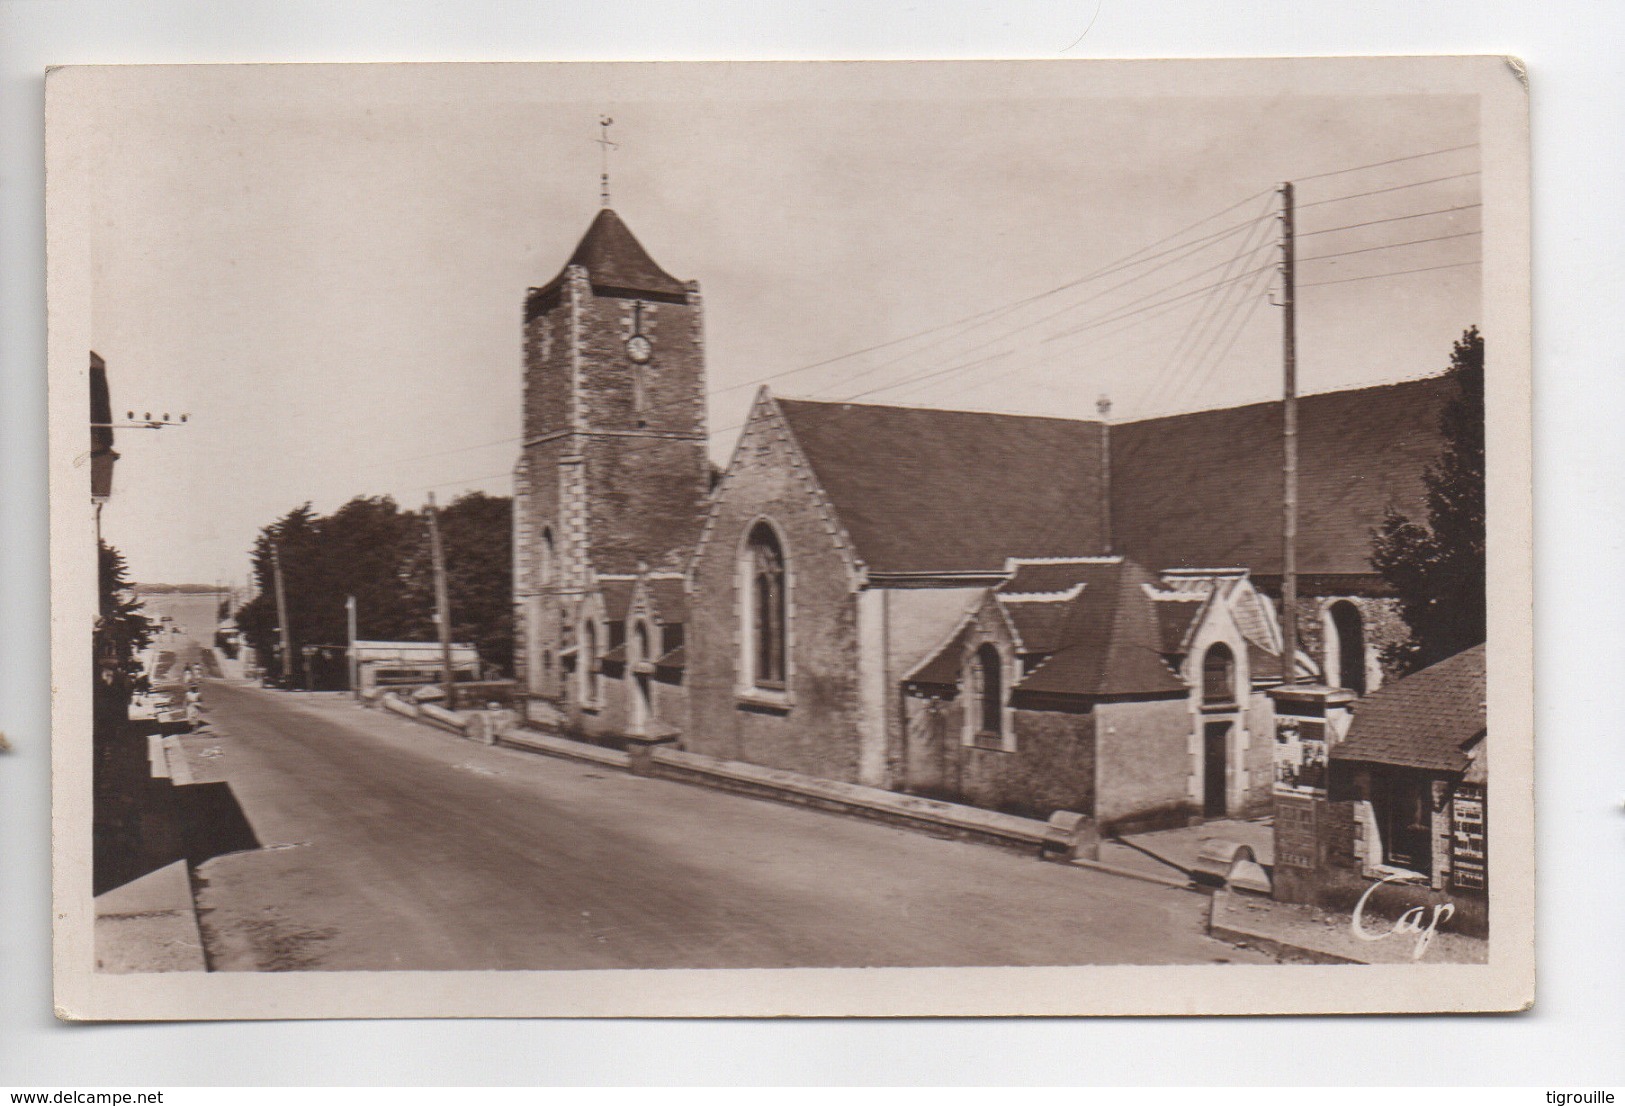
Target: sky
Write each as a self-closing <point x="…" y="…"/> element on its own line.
<point x="325" y="269"/>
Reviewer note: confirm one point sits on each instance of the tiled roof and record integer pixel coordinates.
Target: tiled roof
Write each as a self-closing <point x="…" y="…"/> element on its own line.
<point x="1044" y="578"/>
<point x="1174" y="618"/>
<point x="617" y="597"/>
<point x="944" y="666"/>
<point x="1261" y="663"/>
<point x="1111" y="642"/>
<point x="924" y="490"/>
<point x="1038" y="625"/>
<point x="613" y="258"/>
<point x="669" y="599"/>
<point x="1204" y="489"/>
<point x="940" y="491"/>
<point x="1426" y="720"/>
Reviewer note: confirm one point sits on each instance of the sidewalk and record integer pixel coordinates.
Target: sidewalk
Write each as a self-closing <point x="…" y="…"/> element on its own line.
<point x="1305" y="933"/>
<point x="150" y="925"/>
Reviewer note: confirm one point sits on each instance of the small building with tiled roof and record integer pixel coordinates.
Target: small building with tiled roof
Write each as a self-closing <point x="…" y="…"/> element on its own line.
<point x="1085" y="684"/>
<point x="1411" y="775"/>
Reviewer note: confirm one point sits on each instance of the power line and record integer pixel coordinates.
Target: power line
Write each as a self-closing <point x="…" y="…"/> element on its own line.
<point x="1190" y="249"/>
<point x="1195" y="377"/>
<point x="1391" y="245"/>
<point x="1090" y="299"/>
<point x="1390" y="161"/>
<point x="1390" y="219"/>
<point x="1127" y="261"/>
<point x="1115" y="317"/>
<point x="1402" y="272"/>
<point x="1394" y="188"/>
<point x="1212" y="308"/>
<point x="1252" y="309"/>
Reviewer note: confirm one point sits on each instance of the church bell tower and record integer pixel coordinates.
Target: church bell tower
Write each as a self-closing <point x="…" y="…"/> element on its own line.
<point x="613" y="470"/>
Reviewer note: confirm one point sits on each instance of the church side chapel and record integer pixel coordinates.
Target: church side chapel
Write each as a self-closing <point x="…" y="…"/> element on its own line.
<point x="1089" y="685"/>
<point x="1017" y="612"/>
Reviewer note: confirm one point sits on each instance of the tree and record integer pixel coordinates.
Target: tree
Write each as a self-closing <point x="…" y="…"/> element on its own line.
<point x="122" y="631"/>
<point x="476" y="531"/>
<point x="1436" y="568"/>
<point x="371" y="549"/>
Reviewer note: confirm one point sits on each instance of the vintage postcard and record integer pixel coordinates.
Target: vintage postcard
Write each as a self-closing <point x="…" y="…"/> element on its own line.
<point x="938" y="538"/>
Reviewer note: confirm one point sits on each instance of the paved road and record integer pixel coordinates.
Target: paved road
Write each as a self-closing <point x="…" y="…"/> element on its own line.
<point x="385" y="844"/>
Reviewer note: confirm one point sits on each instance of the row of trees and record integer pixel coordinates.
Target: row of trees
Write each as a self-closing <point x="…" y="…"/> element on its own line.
<point x="372" y="549"/>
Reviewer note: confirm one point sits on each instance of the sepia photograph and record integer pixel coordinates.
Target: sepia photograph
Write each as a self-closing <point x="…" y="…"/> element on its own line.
<point x="791" y="538"/>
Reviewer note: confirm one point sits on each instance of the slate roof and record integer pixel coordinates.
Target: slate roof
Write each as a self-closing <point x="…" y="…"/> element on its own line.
<point x="1038" y="625"/>
<point x="669" y="599"/>
<point x="1111" y="642"/>
<point x="617" y="598"/>
<point x="1429" y="719"/>
<point x="923" y="490"/>
<point x="1174" y="618"/>
<point x="943" y="668"/>
<point x="614" y="258"/>
<point x="1204" y="489"/>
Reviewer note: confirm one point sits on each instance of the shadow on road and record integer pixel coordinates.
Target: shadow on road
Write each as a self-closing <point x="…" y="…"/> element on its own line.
<point x="143" y="823"/>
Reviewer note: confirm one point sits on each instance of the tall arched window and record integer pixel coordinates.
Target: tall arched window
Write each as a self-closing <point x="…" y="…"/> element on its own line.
<point x="766" y="618"/>
<point x="589" y="662"/>
<point x="1218" y="674"/>
<point x="990" y="687"/>
<point x="545" y="568"/>
<point x="1350" y="671"/>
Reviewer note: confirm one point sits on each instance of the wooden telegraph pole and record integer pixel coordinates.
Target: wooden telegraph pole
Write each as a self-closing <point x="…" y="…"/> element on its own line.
<point x="442" y="603"/>
<point x="282" y="613"/>
<point x="355" y="669"/>
<point x="1289" y="447"/>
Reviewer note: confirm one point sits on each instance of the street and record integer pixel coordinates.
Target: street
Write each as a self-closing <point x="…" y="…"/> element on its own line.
<point x="388" y="845"/>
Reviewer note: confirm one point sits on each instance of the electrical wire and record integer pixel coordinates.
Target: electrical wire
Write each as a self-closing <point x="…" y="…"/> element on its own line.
<point x="1389" y="246"/>
<point x="1390" y="161"/>
<point x="1402" y="272"/>
<point x="1381" y="191"/>
<point x="1390" y="219"/>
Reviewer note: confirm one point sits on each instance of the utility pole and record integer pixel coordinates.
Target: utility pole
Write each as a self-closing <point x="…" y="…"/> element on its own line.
<point x="282" y="613"/>
<point x="442" y="603"/>
<point x="1104" y="406"/>
<point x="1289" y="447"/>
<point x="355" y="671"/>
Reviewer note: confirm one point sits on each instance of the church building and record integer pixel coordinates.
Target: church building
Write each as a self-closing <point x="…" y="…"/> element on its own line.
<point x="1022" y="613"/>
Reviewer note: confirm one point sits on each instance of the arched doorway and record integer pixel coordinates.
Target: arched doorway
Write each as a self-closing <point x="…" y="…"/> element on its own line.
<point x="1218" y="696"/>
<point x="1350" y="635"/>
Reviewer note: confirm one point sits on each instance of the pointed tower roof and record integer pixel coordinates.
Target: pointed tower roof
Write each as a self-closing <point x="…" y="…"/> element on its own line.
<point x="613" y="258"/>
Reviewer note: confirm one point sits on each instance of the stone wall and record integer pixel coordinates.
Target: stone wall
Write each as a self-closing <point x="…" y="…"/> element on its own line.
<point x="1142" y="775"/>
<point x="1051" y="767"/>
<point x="814" y="727"/>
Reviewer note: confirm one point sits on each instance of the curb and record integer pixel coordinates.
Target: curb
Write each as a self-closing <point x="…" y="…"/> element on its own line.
<point x="1265" y="943"/>
<point x="150" y="925"/>
<point x="906" y="811"/>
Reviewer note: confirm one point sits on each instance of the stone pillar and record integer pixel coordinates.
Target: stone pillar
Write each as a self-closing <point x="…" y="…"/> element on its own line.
<point x="1310" y="719"/>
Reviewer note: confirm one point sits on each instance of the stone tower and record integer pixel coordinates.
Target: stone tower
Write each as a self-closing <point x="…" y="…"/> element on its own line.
<point x="613" y="470"/>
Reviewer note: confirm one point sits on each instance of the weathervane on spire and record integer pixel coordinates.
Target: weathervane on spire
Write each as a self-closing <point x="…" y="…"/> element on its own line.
<point x="605" y="146"/>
